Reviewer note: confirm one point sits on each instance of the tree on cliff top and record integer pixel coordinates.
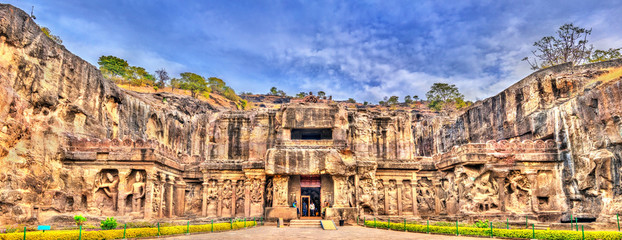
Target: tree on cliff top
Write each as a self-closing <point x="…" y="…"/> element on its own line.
<point x="112" y="65"/>
<point x="441" y="94"/>
<point x="193" y="82"/>
<point x="570" y="45"/>
<point x="49" y="34"/>
<point x="163" y="77"/>
<point x="605" y="55"/>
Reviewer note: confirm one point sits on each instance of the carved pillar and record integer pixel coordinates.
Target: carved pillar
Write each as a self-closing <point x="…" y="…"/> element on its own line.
<point x="169" y="196"/>
<point x="531" y="176"/>
<point x="399" y="197"/>
<point x="180" y="197"/>
<point x="386" y="184"/>
<point x="123" y="176"/>
<point x="437" y="201"/>
<point x="204" y="201"/>
<point x="500" y="177"/>
<point x="234" y="197"/>
<point x="219" y="184"/>
<point x="162" y="195"/>
<point x="413" y="190"/>
<point x="375" y="196"/>
<point x="356" y="191"/>
<point x="247" y="197"/>
<point x="150" y="178"/>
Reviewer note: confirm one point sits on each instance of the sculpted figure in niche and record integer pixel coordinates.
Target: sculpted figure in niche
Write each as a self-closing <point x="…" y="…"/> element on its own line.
<point x="212" y="198"/>
<point x="380" y="196"/>
<point x="138" y="193"/>
<point x="280" y="191"/>
<point x="351" y="194"/>
<point x="465" y="197"/>
<point x="239" y="197"/>
<point x="226" y="195"/>
<point x="392" y="192"/>
<point x="485" y="193"/>
<point x="110" y="185"/>
<point x="425" y="196"/>
<point x="598" y="174"/>
<point x="156" y="197"/>
<point x="366" y="196"/>
<point x="407" y="197"/>
<point x="519" y="192"/>
<point x="256" y="196"/>
<point x="269" y="192"/>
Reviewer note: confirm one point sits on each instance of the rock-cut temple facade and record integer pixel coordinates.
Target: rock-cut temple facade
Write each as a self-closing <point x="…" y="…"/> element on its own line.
<point x="72" y="142"/>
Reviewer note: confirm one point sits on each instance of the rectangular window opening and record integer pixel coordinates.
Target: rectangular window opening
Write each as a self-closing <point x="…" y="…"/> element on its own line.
<point x="312" y="134"/>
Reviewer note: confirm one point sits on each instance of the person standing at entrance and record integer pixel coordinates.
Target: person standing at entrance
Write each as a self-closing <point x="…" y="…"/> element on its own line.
<point x="295" y="205"/>
<point x="304" y="208"/>
<point x="312" y="208"/>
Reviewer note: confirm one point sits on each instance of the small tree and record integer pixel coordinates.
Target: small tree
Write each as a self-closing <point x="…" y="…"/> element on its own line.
<point x="351" y="100"/>
<point x="79" y="219"/>
<point x="442" y="93"/>
<point x="216" y="84"/>
<point x="605" y="55"/>
<point x="193" y="82"/>
<point x="407" y="99"/>
<point x="163" y="78"/>
<point x="301" y="95"/>
<point x="113" y="66"/>
<point x="570" y="45"/>
<point x="48" y="33"/>
<point x="393" y="100"/>
<point x="273" y="91"/>
<point x="321" y="94"/>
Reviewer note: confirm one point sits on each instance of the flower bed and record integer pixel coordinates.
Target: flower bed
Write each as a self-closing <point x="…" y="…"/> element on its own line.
<point x="129" y="233"/>
<point x="505" y="233"/>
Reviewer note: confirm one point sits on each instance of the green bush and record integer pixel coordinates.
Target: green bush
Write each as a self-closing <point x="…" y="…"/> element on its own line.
<point x="482" y="224"/>
<point x="505" y="233"/>
<point x="109" y="223"/>
<point x="130" y="233"/>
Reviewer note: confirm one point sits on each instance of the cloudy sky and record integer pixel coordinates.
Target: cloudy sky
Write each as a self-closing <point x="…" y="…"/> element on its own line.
<point x="361" y="49"/>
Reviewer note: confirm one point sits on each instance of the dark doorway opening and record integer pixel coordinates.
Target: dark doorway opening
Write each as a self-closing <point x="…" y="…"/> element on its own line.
<point x="312" y="134"/>
<point x="310" y="205"/>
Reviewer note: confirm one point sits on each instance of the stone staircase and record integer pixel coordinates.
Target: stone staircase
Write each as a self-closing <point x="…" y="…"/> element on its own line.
<point x="305" y="223"/>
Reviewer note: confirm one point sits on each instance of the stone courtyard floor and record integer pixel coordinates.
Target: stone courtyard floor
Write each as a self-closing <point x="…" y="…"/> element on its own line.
<point x="345" y="232"/>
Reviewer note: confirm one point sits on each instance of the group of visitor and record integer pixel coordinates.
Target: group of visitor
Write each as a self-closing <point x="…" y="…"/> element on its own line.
<point x="311" y="208"/>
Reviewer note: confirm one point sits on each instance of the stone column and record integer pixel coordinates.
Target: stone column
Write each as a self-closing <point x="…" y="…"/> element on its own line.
<point x="500" y="183"/>
<point x="375" y="186"/>
<point x="531" y="176"/>
<point x="399" y="197"/>
<point x="169" y="196"/>
<point x="219" y="184"/>
<point x="150" y="178"/>
<point x="356" y="191"/>
<point x="204" y="195"/>
<point x="162" y="195"/>
<point x="234" y="197"/>
<point x="247" y="198"/>
<point x="123" y="176"/>
<point x="436" y="184"/>
<point x="180" y="197"/>
<point x="386" y="196"/>
<point x="413" y="191"/>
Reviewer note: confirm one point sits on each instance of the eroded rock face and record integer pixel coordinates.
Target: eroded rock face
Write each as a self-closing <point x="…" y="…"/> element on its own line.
<point x="72" y="142"/>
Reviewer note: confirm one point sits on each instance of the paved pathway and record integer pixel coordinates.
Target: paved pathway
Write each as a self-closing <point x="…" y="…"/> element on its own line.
<point x="345" y="232"/>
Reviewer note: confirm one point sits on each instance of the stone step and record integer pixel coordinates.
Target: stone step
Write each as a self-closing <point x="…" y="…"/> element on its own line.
<point x="305" y="223"/>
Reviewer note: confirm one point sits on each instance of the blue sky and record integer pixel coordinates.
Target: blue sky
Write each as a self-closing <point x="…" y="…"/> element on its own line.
<point x="360" y="49"/>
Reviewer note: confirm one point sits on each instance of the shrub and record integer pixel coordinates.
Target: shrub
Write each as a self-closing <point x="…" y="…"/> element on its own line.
<point x="109" y="223"/>
<point x="118" y="234"/>
<point x="79" y="219"/>
<point x="482" y="224"/>
<point x="505" y="233"/>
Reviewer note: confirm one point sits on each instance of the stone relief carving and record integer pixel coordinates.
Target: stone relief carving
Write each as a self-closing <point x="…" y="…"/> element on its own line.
<point x="108" y="182"/>
<point x="269" y="193"/>
<point x="407" y="197"/>
<point x="595" y="177"/>
<point x="138" y="192"/>
<point x="212" y="198"/>
<point x="518" y="192"/>
<point x="380" y="195"/>
<point x="485" y="193"/>
<point x="366" y="197"/>
<point x="425" y="196"/>
<point x="280" y="191"/>
<point x="392" y="194"/>
<point x="226" y="197"/>
<point x="239" y="196"/>
<point x="350" y="193"/>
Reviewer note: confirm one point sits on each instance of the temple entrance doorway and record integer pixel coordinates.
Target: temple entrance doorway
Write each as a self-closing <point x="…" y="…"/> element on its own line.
<point x="310" y="197"/>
